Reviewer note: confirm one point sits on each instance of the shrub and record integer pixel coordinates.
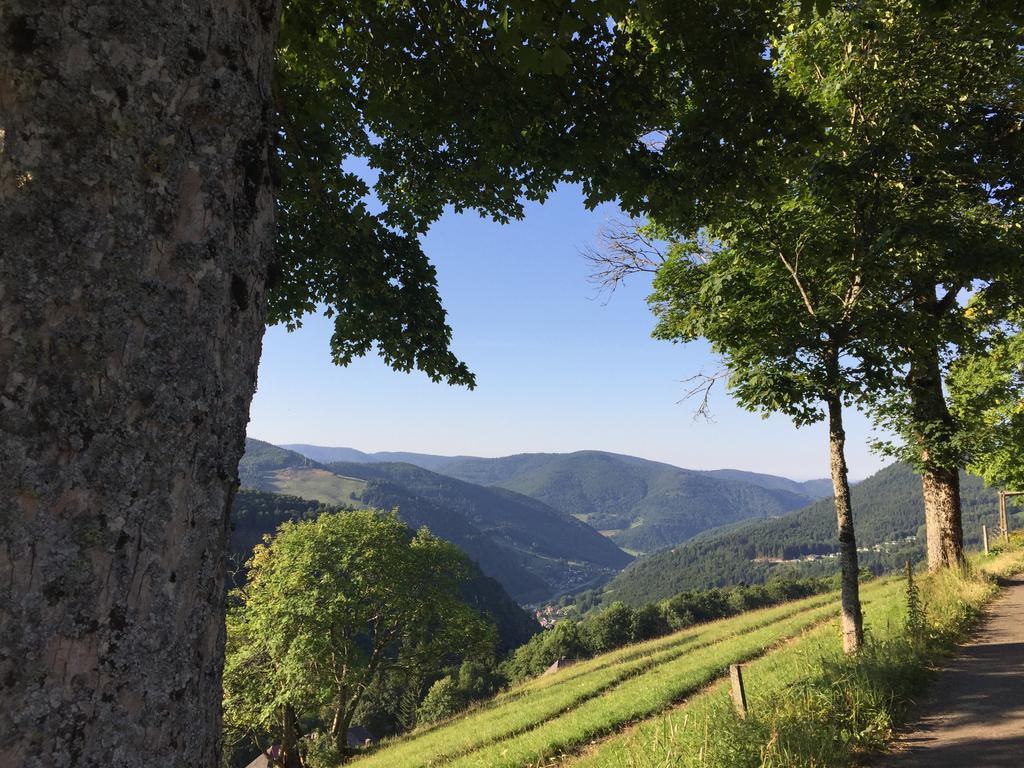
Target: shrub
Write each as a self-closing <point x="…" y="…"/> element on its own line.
<point x="610" y="629"/>
<point x="648" y="622"/>
<point x="443" y="700"/>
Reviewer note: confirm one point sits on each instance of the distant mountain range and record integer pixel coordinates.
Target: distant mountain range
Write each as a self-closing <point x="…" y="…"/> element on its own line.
<point x="888" y="519"/>
<point x="641" y="505"/>
<point x="814" y="489"/>
<point x="533" y="550"/>
<point x="696" y="529"/>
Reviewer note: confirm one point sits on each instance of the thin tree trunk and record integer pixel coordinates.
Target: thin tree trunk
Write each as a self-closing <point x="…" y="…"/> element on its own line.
<point x="136" y="225"/>
<point x="851" y="620"/>
<point x="290" y="739"/>
<point x="339" y="728"/>
<point x="341" y="731"/>
<point x="940" y="483"/>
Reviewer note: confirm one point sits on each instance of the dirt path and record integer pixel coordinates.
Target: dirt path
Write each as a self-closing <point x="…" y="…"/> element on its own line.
<point x="975" y="716"/>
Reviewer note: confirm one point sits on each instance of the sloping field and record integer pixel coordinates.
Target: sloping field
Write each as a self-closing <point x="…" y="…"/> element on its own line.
<point x="680" y="736"/>
<point x="677" y="737"/>
<point x="317" y="484"/>
<point x="561" y="715"/>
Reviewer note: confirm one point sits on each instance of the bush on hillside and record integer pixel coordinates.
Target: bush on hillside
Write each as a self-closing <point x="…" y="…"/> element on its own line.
<point x="443" y="700"/>
<point x="610" y="629"/>
<point x="563" y="641"/>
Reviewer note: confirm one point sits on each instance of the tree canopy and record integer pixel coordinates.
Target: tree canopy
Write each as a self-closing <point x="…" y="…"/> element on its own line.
<point x="474" y="105"/>
<point x="330" y="605"/>
<point x="987" y="398"/>
<point x="871" y="180"/>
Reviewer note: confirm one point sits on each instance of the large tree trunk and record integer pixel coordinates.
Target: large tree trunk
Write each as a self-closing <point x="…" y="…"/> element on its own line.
<point x="940" y="482"/>
<point x="851" y="620"/>
<point x="943" y="527"/>
<point x="136" y="223"/>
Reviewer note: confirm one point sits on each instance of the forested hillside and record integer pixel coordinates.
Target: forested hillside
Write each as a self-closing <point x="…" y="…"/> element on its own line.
<point x="642" y="505"/>
<point x="257" y="513"/>
<point x="533" y="550"/>
<point x="815" y="489"/>
<point x="522" y="520"/>
<point x="327" y="454"/>
<point x="887" y="509"/>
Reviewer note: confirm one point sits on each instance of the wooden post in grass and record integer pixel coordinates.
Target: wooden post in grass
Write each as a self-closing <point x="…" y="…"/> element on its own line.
<point x="984" y="537"/>
<point x="739" y="695"/>
<point x="1002" y="516"/>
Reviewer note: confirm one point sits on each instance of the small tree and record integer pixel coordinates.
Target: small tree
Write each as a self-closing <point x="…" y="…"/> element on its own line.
<point x="443" y="700"/>
<point x="330" y="604"/>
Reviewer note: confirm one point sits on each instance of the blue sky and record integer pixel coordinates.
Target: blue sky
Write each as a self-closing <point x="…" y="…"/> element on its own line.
<point x="559" y="366"/>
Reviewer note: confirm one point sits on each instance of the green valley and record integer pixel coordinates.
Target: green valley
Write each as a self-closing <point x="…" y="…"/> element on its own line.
<point x="642" y="505"/>
<point x="536" y="552"/>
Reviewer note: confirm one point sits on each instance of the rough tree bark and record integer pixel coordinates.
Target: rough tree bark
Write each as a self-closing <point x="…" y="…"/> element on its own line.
<point x="851" y="620"/>
<point x="136" y="224"/>
<point x="940" y="483"/>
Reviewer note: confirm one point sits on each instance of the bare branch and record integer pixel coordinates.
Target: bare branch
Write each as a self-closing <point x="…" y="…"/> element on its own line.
<point x="700" y="386"/>
<point x="792" y="264"/>
<point x="622" y="250"/>
<point x="655" y="140"/>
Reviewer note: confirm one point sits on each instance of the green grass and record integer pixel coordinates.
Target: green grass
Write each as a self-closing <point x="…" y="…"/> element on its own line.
<point x="540" y="699"/>
<point x="810" y="705"/>
<point x="662" y="703"/>
<point x="637" y="697"/>
<point x="319" y="485"/>
<point x="713" y="631"/>
<point x="686" y="734"/>
<point x="547" y="716"/>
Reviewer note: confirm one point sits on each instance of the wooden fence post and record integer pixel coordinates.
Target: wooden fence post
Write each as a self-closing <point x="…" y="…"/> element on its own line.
<point x="739" y="695"/>
<point x="1003" y="522"/>
<point x="984" y="537"/>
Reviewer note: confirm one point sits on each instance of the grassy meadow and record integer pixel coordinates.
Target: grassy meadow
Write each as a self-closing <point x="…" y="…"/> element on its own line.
<point x="664" y="702"/>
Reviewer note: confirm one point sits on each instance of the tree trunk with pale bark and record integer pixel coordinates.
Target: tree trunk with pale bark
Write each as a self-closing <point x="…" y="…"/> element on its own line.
<point x="851" y="620"/>
<point x="136" y="225"/>
<point x="940" y="483"/>
<point x="943" y="526"/>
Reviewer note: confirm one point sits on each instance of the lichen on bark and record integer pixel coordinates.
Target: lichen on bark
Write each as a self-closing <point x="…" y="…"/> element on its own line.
<point x="136" y="224"/>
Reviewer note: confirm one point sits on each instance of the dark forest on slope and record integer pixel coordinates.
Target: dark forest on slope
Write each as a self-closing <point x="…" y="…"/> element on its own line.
<point x="887" y="509"/>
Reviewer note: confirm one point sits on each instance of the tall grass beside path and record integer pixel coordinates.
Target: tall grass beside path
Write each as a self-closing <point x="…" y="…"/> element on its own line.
<point x="809" y="704"/>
